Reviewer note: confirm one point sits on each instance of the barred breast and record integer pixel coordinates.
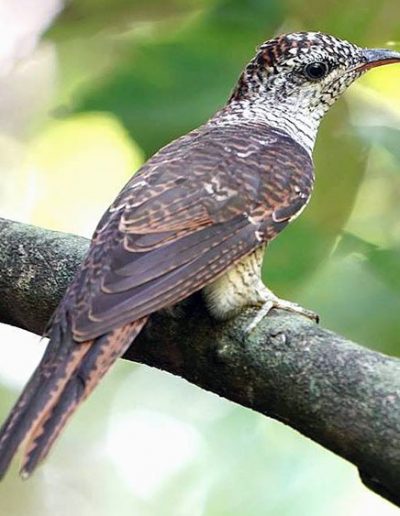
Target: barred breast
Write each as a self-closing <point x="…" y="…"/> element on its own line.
<point x="239" y="287"/>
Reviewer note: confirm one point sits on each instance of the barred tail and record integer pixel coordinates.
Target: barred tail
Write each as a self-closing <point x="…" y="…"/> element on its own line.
<point x="66" y="375"/>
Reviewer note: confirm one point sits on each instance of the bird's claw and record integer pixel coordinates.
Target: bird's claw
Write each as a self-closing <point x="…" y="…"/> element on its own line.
<point x="282" y="304"/>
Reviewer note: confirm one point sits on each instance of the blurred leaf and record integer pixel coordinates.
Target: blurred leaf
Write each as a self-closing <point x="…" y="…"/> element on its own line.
<point x="88" y="17"/>
<point x="358" y="292"/>
<point x="382" y="86"/>
<point x="361" y="21"/>
<point x="385" y="263"/>
<point x="353" y="300"/>
<point x="164" y="87"/>
<point x="79" y="165"/>
<point x="386" y="137"/>
<point x="349" y="243"/>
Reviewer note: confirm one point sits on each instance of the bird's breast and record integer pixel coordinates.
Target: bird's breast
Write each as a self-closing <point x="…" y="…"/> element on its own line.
<point x="237" y="288"/>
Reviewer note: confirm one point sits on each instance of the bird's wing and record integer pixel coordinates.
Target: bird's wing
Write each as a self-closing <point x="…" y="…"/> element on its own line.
<point x="196" y="208"/>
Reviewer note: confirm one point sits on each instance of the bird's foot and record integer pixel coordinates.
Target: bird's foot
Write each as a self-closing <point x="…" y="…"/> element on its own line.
<point x="275" y="302"/>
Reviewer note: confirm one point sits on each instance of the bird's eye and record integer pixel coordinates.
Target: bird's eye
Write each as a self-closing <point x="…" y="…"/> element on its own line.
<point x="315" y="71"/>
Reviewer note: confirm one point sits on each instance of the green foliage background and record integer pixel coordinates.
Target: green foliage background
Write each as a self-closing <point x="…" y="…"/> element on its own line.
<point x="157" y="69"/>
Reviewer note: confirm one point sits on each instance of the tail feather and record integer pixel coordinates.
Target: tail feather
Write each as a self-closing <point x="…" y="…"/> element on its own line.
<point x="42" y="391"/>
<point x="63" y="379"/>
<point x="44" y="436"/>
<point x="15" y="425"/>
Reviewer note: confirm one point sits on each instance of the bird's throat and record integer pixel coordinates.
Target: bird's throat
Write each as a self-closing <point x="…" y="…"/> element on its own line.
<point x="291" y="118"/>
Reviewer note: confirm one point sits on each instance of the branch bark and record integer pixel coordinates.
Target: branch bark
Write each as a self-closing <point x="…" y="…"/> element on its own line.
<point x="341" y="395"/>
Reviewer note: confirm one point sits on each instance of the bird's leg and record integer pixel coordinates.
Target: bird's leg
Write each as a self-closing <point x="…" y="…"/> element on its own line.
<point x="241" y="287"/>
<point x="267" y="300"/>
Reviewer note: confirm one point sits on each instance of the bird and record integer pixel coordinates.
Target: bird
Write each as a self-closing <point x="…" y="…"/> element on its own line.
<point x="197" y="216"/>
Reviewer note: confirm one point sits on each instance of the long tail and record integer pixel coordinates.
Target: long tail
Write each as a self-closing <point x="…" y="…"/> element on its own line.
<point x="66" y="375"/>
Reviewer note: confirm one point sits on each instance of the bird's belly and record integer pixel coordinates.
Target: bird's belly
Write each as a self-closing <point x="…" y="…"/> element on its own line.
<point x="237" y="288"/>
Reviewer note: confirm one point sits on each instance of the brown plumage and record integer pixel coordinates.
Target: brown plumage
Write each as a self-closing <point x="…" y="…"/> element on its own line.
<point x="172" y="231"/>
<point x="186" y="220"/>
<point x="164" y="237"/>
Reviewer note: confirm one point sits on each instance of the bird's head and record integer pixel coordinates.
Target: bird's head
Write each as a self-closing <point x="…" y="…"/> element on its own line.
<point x="298" y="76"/>
<point x="310" y="68"/>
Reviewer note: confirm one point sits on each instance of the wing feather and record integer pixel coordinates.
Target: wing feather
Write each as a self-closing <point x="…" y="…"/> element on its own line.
<point x="194" y="210"/>
<point x="171" y="210"/>
<point x="129" y="302"/>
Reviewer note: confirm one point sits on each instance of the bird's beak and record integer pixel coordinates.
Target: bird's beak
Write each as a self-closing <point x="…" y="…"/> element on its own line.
<point x="378" y="57"/>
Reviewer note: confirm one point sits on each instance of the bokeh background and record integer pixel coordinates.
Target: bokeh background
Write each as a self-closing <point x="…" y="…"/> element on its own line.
<point x="91" y="88"/>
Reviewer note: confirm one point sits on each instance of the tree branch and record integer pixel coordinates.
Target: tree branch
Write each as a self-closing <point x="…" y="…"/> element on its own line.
<point x="341" y="395"/>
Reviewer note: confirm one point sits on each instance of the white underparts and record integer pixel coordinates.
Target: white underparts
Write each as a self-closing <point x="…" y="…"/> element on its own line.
<point x="240" y="287"/>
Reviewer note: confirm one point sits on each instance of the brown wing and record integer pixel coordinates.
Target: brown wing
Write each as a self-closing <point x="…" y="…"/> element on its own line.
<point x="195" y="208"/>
<point x="190" y="213"/>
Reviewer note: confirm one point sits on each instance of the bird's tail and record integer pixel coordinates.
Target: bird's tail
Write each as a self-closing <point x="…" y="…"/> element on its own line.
<point x="66" y="375"/>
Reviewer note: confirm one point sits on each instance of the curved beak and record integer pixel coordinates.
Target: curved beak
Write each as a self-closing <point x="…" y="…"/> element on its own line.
<point x="378" y="57"/>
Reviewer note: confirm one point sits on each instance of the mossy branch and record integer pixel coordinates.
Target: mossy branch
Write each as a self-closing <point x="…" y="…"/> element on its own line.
<point x="340" y="394"/>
